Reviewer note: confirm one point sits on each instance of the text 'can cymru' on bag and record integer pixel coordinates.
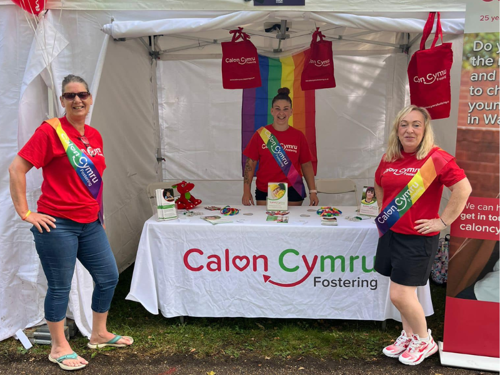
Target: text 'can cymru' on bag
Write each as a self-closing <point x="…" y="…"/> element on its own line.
<point x="429" y="73"/>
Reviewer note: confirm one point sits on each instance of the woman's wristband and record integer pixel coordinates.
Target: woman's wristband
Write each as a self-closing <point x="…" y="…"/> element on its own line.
<point x="313" y="192"/>
<point x="26" y="216"/>
<point x="445" y="225"/>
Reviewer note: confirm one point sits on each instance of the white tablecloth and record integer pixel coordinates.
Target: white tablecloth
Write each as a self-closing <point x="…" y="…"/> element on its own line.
<point x="256" y="268"/>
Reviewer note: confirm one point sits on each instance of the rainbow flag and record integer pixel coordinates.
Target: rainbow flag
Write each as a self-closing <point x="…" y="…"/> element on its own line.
<point x="256" y="107"/>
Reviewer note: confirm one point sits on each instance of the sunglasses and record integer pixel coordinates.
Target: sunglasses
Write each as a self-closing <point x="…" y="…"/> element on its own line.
<point x="90" y="150"/>
<point x="71" y="95"/>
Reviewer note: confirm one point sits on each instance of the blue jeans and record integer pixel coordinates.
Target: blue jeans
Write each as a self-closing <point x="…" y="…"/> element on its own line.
<point x="58" y="251"/>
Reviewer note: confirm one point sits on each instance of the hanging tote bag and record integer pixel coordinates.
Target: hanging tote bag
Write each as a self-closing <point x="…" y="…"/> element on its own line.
<point x="240" y="62"/>
<point x="318" y="68"/>
<point x="429" y="73"/>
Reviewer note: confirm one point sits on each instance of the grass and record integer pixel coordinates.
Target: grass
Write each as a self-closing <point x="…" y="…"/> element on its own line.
<point x="237" y="337"/>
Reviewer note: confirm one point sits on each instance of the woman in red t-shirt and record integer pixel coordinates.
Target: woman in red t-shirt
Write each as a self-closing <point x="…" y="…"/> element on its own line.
<point x="295" y="146"/>
<point x="66" y="226"/>
<point x="406" y="251"/>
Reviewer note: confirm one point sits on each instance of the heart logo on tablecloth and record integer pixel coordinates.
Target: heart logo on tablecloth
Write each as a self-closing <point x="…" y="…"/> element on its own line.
<point x="244" y="260"/>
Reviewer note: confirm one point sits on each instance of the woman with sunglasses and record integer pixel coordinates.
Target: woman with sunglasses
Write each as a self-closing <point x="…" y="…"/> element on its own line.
<point x="66" y="225"/>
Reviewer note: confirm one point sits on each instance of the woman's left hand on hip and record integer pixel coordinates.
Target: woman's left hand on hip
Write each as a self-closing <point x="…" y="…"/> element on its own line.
<point x="426" y="226"/>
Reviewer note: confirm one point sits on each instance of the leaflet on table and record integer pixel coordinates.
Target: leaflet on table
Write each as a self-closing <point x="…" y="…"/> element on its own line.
<point x="277" y="218"/>
<point x="277" y="196"/>
<point x="332" y="221"/>
<point x="216" y="219"/>
<point x="165" y="204"/>
<point x="369" y="204"/>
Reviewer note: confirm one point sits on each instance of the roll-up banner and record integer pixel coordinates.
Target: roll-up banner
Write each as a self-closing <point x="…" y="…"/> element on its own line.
<point x="471" y="326"/>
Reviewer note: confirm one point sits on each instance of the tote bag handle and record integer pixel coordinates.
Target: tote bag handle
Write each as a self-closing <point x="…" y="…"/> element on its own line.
<point x="239" y="34"/>
<point x="317" y="34"/>
<point x="428" y="29"/>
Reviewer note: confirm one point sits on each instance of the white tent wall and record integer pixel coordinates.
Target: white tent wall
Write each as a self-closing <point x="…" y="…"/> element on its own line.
<point x="22" y="283"/>
<point x="125" y="114"/>
<point x="201" y="122"/>
<point x="19" y="265"/>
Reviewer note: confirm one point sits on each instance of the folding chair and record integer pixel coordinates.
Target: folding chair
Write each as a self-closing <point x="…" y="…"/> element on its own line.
<point x="337" y="186"/>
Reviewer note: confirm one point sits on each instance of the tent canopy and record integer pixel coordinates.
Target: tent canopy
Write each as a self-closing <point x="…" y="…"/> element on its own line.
<point x="398" y="22"/>
<point x="237" y="5"/>
<point x="363" y="31"/>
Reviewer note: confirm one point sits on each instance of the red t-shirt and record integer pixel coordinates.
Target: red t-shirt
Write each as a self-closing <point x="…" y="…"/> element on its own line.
<point x="63" y="192"/>
<point x="394" y="176"/>
<point x="293" y="142"/>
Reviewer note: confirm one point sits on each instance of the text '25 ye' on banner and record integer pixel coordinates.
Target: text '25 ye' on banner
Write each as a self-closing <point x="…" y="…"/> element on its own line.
<point x="471" y="329"/>
<point x="256" y="106"/>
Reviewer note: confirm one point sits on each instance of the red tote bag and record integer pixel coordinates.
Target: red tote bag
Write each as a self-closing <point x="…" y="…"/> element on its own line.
<point x="240" y="62"/>
<point x="429" y="73"/>
<point x="318" y="69"/>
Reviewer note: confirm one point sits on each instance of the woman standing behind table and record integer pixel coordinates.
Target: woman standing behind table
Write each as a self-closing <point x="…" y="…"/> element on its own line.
<point x="66" y="226"/>
<point x="293" y="145"/>
<point x="406" y="251"/>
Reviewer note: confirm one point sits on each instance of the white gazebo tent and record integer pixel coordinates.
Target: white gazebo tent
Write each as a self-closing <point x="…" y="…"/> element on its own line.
<point x="154" y="71"/>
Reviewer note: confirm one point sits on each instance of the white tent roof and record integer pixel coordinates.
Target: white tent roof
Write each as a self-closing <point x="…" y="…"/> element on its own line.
<point x="394" y="23"/>
<point x="236" y="5"/>
<point x="180" y="36"/>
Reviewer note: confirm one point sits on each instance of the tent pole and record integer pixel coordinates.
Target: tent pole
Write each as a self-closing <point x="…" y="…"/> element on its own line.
<point x="200" y="39"/>
<point x="281" y="35"/>
<point x="358" y="40"/>
<point x="146" y="45"/>
<point x="411" y="42"/>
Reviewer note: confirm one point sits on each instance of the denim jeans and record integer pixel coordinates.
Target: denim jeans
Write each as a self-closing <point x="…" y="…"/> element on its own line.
<point x="58" y="251"/>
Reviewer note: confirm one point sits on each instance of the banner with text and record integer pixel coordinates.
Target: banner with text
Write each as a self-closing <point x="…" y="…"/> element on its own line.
<point x="472" y="303"/>
<point x="256" y="268"/>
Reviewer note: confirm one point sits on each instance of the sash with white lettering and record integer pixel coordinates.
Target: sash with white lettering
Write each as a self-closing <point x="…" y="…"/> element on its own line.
<point x="83" y="165"/>
<point x="286" y="166"/>
<point x="412" y="192"/>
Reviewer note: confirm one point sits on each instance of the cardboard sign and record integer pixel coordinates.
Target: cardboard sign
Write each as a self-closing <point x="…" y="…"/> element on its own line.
<point x="369" y="204"/>
<point x="479" y="219"/>
<point x="165" y="203"/>
<point x="277" y="196"/>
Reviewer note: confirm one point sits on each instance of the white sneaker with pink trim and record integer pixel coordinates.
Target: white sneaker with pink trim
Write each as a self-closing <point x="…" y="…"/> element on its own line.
<point x="418" y="350"/>
<point x="399" y="346"/>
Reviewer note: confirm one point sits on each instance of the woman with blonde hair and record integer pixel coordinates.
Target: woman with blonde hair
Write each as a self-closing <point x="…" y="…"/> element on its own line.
<point x="409" y="241"/>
